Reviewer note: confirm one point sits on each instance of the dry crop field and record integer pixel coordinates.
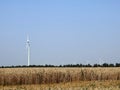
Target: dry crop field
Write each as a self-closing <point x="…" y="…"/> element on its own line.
<point x="60" y="78"/>
<point x="83" y="85"/>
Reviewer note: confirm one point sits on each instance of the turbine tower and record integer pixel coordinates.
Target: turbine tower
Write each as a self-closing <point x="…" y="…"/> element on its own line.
<point x="28" y="50"/>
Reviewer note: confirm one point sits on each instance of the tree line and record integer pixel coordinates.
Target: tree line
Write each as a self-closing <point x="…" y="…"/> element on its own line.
<point x="67" y="65"/>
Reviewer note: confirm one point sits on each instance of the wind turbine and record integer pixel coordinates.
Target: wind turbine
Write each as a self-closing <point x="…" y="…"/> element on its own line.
<point x="28" y="49"/>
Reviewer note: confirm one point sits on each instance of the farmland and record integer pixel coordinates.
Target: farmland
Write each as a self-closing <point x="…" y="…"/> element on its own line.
<point x="83" y="85"/>
<point x="60" y="78"/>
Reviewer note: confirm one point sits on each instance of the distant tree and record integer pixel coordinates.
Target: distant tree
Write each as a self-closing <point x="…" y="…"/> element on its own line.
<point x="89" y="65"/>
<point x="60" y="65"/>
<point x="117" y="65"/>
<point x="80" y="65"/>
<point x="105" y="65"/>
<point x="95" y="65"/>
<point x="2" y="66"/>
<point x="111" y="65"/>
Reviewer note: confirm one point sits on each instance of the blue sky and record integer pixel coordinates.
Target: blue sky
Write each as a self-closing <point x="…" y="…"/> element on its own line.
<point x="61" y="31"/>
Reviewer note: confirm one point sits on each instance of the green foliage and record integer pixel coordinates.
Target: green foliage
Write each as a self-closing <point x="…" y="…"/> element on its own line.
<point x="67" y="65"/>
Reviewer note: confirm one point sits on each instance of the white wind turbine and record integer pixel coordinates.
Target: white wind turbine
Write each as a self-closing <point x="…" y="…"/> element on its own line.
<point x="28" y="50"/>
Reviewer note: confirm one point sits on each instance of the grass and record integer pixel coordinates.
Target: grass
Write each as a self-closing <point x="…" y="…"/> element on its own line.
<point x="60" y="78"/>
<point x="29" y="76"/>
<point x="82" y="85"/>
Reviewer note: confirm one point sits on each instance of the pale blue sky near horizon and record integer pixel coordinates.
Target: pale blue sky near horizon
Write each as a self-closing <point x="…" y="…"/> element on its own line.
<point x="61" y="31"/>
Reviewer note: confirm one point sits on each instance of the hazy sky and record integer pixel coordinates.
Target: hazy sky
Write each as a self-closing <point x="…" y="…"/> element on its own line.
<point x="61" y="31"/>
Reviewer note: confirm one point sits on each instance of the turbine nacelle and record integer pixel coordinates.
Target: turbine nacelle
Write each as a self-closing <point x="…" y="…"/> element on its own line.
<point x="28" y="41"/>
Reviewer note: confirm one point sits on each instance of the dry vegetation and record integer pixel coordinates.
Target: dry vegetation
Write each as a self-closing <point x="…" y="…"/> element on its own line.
<point x="83" y="85"/>
<point x="30" y="76"/>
